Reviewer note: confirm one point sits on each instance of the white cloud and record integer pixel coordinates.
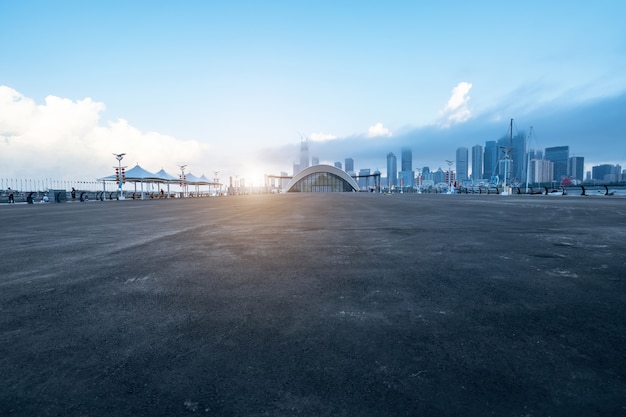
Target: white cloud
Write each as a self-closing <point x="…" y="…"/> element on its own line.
<point x="322" y="137"/>
<point x="456" y="110"/>
<point x="378" y="130"/>
<point x="63" y="139"/>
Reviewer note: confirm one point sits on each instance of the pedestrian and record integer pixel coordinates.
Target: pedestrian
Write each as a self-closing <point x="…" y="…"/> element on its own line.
<point x="11" y="200"/>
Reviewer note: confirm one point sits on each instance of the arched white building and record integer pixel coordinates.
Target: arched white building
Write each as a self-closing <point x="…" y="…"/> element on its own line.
<point x="322" y="179"/>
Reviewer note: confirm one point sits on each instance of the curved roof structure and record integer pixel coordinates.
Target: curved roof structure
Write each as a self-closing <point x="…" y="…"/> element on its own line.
<point x="137" y="174"/>
<point x="322" y="178"/>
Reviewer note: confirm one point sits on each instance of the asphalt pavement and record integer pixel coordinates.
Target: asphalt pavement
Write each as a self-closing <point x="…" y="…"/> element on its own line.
<point x="339" y="304"/>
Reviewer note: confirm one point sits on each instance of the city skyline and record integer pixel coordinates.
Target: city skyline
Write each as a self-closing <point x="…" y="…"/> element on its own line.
<point x="234" y="87"/>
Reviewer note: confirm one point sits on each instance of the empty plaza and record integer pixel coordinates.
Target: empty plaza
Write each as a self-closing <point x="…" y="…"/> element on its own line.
<point x="336" y="304"/>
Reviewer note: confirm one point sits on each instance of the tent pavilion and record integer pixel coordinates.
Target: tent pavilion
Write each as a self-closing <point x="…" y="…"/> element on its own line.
<point x="137" y="174"/>
<point x="197" y="182"/>
<point x="166" y="179"/>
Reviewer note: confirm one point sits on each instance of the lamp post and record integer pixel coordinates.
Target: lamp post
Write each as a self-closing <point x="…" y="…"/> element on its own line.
<point x="507" y="161"/>
<point x="120" y="182"/>
<point x="449" y="176"/>
<point x="419" y="180"/>
<point x="183" y="180"/>
<point x="216" y="181"/>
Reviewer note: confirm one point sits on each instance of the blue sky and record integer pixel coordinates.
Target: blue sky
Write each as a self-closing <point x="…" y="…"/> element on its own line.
<point x="232" y="86"/>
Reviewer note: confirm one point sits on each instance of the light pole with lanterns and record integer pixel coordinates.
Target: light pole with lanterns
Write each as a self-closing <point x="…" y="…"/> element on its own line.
<point x="183" y="180"/>
<point x="119" y="174"/>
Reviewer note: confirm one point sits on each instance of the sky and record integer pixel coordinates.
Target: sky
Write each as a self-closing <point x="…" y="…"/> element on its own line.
<point x="234" y="86"/>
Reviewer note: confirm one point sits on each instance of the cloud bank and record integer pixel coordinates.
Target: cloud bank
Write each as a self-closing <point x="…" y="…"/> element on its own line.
<point x="64" y="139"/>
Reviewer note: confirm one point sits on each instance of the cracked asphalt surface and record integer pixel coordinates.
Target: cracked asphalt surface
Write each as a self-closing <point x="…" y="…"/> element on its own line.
<point x="349" y="304"/>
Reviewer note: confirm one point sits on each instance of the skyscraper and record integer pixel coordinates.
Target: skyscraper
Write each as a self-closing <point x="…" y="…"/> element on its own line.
<point x="304" y="154"/>
<point x="576" y="167"/>
<point x="477" y="162"/>
<point x="461" y="163"/>
<point x="491" y="158"/>
<point x="364" y="178"/>
<point x="392" y="170"/>
<point x="540" y="171"/>
<point x="406" y="176"/>
<point x="407" y="159"/>
<point x="349" y="162"/>
<point x="559" y="156"/>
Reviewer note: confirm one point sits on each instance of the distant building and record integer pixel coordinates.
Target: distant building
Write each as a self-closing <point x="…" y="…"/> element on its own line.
<point x="439" y="176"/>
<point x="392" y="170"/>
<point x="477" y="162"/>
<point x="541" y="171"/>
<point x="338" y="165"/>
<point x="349" y="162"/>
<point x="559" y="156"/>
<point x="491" y="159"/>
<point x="407" y="159"/>
<point x="283" y="181"/>
<point x="315" y="160"/>
<point x="576" y="167"/>
<point x="462" y="165"/>
<point x="304" y="154"/>
<point x="364" y="179"/>
<point x="606" y="173"/>
<point x="406" y="177"/>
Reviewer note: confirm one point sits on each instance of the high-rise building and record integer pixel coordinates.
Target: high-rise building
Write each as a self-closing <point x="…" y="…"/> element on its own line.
<point x="477" y="162"/>
<point x="349" y="162"/>
<point x="540" y="171"/>
<point x="315" y="160"/>
<point x="461" y="164"/>
<point x="283" y="181"/>
<point x="338" y="165"/>
<point x="364" y="178"/>
<point x="407" y="159"/>
<point x="606" y="172"/>
<point x="491" y="158"/>
<point x="304" y="154"/>
<point x="392" y="170"/>
<point x="576" y="167"/>
<point x="406" y="177"/>
<point x="558" y="155"/>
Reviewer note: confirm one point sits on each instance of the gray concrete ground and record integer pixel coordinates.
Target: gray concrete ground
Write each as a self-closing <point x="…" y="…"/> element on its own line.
<point x="315" y="305"/>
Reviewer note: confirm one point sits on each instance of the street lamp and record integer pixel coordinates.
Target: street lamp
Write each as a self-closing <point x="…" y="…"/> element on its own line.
<point x="449" y="176"/>
<point x="183" y="180"/>
<point x="119" y="157"/>
<point x="216" y="181"/>
<point x="507" y="161"/>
